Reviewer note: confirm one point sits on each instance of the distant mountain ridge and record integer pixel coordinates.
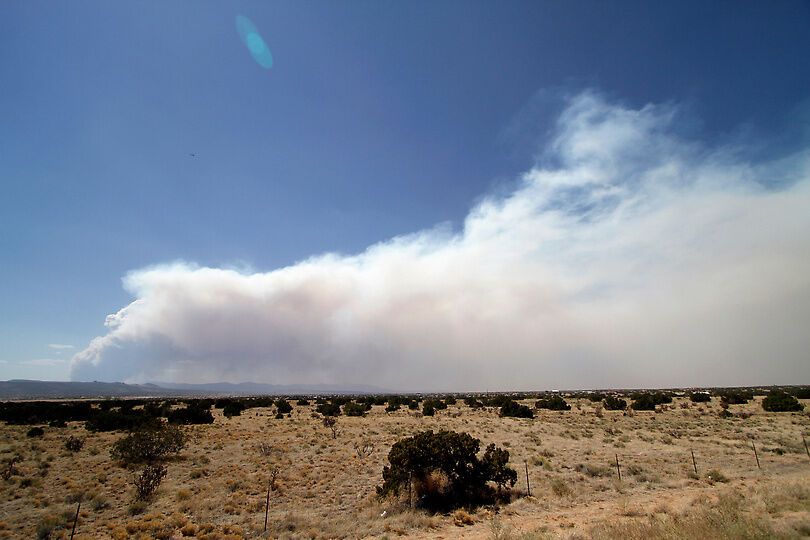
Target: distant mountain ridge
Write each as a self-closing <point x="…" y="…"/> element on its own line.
<point x="251" y="388"/>
<point x="32" y="389"/>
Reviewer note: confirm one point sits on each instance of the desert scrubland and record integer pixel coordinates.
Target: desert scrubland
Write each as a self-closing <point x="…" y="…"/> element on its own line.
<point x="324" y="486"/>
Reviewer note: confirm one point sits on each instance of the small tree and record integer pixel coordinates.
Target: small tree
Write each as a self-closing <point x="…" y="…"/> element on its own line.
<point x="428" y="409"/>
<point x="515" y="410"/>
<point x="331" y="422"/>
<point x="354" y="409"/>
<point x="74" y="444"/>
<point x="233" y="408"/>
<point x="444" y="471"/>
<point x="779" y="401"/>
<point x="496" y="467"/>
<point x="613" y="403"/>
<point x="283" y="406"/>
<point x="328" y="409"/>
<point x="149" y="445"/>
<point x="149" y="480"/>
<point x="35" y="432"/>
<point x="700" y="397"/>
<point x="553" y="403"/>
<point x="193" y="414"/>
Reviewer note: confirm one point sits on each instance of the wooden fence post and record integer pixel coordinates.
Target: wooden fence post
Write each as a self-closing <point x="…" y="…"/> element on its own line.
<point x="756" y="455"/>
<point x="618" y="468"/>
<point x="267" y="505"/>
<point x="75" y="520"/>
<point x="528" y="487"/>
<point x="694" y="463"/>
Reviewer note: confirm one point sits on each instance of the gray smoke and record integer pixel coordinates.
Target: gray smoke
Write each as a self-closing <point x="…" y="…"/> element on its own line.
<point x="628" y="257"/>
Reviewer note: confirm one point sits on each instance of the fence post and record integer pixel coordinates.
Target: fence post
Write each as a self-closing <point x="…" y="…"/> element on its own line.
<point x="805" y="446"/>
<point x="267" y="505"/>
<point x="528" y="487"/>
<point x="756" y="455"/>
<point x="618" y="468"/>
<point x="694" y="463"/>
<point x="75" y="520"/>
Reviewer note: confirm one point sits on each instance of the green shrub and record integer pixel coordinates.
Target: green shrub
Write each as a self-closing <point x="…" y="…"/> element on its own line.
<point x="700" y="397"/>
<point x="613" y="403"/>
<point x="391" y="407"/>
<point x="802" y="392"/>
<point x="444" y="471"/>
<point x="735" y="397"/>
<point x="472" y="402"/>
<point x="302" y="402"/>
<point x="428" y="409"/>
<point x="191" y="415"/>
<point x="283" y="406"/>
<point x="328" y="409"/>
<point x="35" y="432"/>
<point x="74" y="444"/>
<point x="516" y="410"/>
<point x="119" y="420"/>
<point x="149" y="445"/>
<point x="780" y="401"/>
<point x="355" y="409"/>
<point x="233" y="408"/>
<point x="646" y="401"/>
<point x="554" y="403"/>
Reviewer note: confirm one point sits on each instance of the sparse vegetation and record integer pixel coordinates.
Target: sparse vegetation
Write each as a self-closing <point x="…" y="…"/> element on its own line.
<point x="221" y="477"/>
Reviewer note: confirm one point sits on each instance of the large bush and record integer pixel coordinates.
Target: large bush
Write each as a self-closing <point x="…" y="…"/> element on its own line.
<point x="646" y="401"/>
<point x="125" y="419"/>
<point x="149" y="445"/>
<point x="516" y="410"/>
<point x="355" y="409"/>
<point x="554" y="403"/>
<point x="614" y="403"/>
<point x="442" y="470"/>
<point x="700" y="397"/>
<point x="191" y="415"/>
<point x="328" y="409"/>
<point x="233" y="408"/>
<point x="283" y="406"/>
<point x="735" y="397"/>
<point x="779" y="401"/>
<point x="801" y="392"/>
<point x="41" y="412"/>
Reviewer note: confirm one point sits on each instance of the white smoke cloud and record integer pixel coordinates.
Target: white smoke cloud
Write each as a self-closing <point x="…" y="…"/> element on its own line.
<point x="627" y="257"/>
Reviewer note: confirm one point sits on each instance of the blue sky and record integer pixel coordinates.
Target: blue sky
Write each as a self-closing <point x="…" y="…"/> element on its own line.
<point x="377" y="119"/>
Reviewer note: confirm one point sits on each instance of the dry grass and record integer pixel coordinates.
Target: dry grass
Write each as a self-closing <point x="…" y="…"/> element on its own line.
<point x="325" y="487"/>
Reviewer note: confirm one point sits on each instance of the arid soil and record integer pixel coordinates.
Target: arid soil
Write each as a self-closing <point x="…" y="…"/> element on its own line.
<point x="325" y="486"/>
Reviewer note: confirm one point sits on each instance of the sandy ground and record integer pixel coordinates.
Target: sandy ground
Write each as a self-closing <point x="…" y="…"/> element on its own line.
<point x="216" y="488"/>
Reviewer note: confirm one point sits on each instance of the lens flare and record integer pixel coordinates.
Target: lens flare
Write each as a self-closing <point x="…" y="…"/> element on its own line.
<point x="253" y="41"/>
